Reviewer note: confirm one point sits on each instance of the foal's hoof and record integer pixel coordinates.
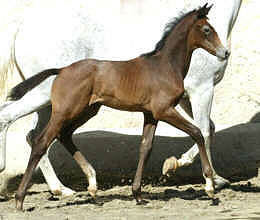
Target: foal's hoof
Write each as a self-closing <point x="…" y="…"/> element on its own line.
<point x="215" y="202"/>
<point x="170" y="165"/>
<point x="95" y="202"/>
<point x="138" y="198"/>
<point x="141" y="202"/>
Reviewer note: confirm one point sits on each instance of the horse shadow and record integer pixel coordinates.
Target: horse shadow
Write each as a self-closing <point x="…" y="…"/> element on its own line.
<point x="165" y="195"/>
<point x="151" y="196"/>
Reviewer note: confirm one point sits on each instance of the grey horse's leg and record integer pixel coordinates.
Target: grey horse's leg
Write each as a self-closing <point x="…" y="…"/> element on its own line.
<point x="10" y="111"/>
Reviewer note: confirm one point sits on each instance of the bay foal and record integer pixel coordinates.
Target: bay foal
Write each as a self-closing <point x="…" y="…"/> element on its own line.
<point x="151" y="83"/>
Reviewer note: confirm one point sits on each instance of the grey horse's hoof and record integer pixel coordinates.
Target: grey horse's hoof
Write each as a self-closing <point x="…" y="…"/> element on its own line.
<point x="220" y="182"/>
<point x="170" y="165"/>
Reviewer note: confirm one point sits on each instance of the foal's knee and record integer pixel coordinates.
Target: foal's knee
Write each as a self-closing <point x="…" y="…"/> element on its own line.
<point x="146" y="143"/>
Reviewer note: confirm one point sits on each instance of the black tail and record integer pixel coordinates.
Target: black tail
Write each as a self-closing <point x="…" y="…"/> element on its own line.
<point x="22" y="88"/>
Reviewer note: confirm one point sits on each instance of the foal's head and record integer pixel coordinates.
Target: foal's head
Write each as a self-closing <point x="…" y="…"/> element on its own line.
<point x="203" y="35"/>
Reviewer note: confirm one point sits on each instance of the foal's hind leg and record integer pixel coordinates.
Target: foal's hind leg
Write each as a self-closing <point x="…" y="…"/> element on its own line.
<point x="56" y="187"/>
<point x="149" y="128"/>
<point x="172" y="117"/>
<point x="39" y="148"/>
<point x="66" y="139"/>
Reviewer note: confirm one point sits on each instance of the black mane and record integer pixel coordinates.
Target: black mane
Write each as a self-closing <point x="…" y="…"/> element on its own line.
<point x="167" y="30"/>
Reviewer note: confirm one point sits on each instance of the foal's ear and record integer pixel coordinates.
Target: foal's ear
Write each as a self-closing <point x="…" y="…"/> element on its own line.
<point x="203" y="11"/>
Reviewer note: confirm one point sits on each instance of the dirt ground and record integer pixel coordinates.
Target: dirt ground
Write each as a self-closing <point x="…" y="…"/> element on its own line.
<point x="238" y="201"/>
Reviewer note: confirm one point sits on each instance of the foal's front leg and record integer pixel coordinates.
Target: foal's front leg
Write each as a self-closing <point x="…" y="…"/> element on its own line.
<point x="172" y="117"/>
<point x="201" y="115"/>
<point x="149" y="128"/>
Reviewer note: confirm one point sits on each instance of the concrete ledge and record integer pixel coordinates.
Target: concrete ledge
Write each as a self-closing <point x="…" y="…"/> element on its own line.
<point x="236" y="153"/>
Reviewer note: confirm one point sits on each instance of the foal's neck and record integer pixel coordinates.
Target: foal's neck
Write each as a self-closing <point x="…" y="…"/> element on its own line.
<point x="176" y="50"/>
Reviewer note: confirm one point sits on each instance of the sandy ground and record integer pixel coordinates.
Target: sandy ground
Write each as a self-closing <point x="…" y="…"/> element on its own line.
<point x="239" y="201"/>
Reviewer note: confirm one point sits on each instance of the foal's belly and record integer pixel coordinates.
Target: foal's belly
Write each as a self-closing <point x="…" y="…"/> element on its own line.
<point x="119" y="103"/>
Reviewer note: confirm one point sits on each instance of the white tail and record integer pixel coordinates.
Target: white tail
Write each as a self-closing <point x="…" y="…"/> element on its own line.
<point x="7" y="59"/>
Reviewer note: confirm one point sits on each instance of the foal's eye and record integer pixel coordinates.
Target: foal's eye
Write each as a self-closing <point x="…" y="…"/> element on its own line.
<point x="206" y="29"/>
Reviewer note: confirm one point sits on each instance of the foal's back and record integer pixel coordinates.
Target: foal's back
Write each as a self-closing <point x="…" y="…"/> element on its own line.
<point x="128" y="85"/>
